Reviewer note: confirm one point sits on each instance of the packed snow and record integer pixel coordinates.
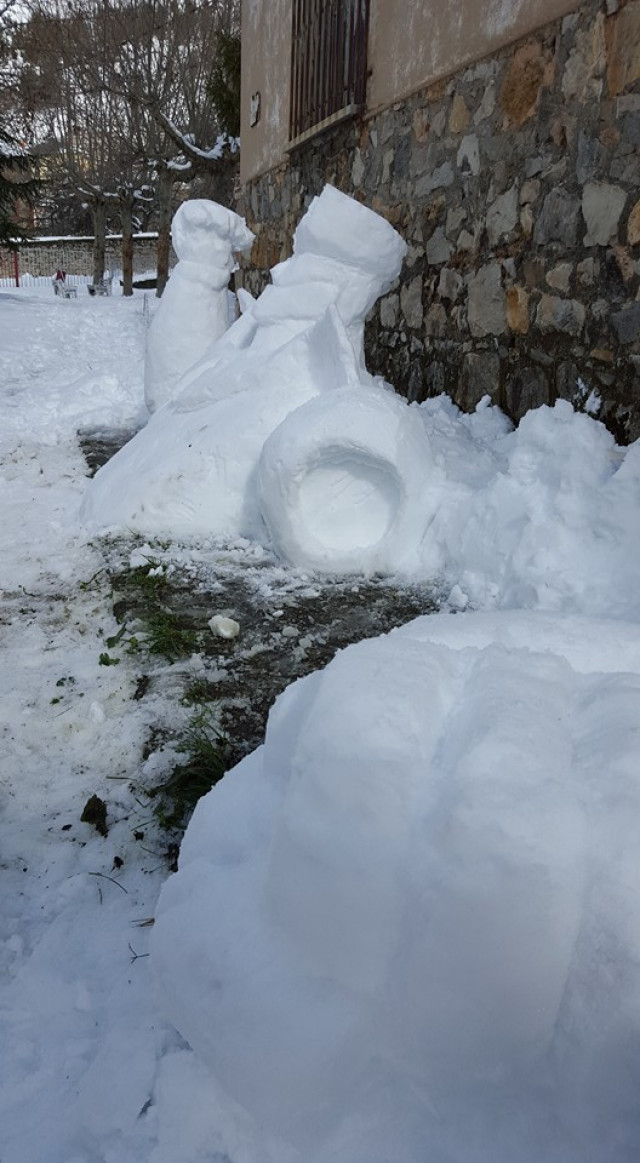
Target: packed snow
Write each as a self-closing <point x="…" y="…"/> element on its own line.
<point x="408" y="926"/>
<point x="193" y="312"/>
<point x="404" y="928"/>
<point x="194" y="468"/>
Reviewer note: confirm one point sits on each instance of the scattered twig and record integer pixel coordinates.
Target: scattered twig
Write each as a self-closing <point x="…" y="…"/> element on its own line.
<point x="135" y="956"/>
<point x="105" y="877"/>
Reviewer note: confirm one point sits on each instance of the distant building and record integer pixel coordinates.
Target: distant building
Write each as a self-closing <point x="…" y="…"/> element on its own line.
<point x="502" y="138"/>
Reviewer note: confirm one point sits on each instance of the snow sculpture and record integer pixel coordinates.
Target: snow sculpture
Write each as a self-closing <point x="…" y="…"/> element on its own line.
<point x="407" y="927"/>
<point x="195" y="468"/>
<point x="193" y="311"/>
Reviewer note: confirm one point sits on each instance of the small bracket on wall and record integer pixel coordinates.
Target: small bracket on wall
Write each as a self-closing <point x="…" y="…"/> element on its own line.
<point x="254" y="109"/>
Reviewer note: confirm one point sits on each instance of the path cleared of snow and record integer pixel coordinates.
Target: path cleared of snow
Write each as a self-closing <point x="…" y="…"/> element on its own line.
<point x="497" y="827"/>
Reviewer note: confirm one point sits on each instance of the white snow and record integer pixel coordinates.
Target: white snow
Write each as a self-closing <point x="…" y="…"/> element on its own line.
<point x="193" y="469"/>
<point x="406" y="927"/>
<point x="193" y="312"/>
<point x="426" y="885"/>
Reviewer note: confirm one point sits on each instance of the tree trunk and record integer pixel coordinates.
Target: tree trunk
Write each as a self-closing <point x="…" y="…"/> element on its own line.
<point x="164" y="191"/>
<point x="126" y="221"/>
<point x="99" y="216"/>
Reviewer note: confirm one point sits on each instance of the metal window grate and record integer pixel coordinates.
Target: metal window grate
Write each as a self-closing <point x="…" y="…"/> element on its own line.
<point x="329" y="60"/>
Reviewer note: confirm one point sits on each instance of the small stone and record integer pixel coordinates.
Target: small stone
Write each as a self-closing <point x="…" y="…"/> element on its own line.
<point x="518" y="309"/>
<point x="631" y="129"/>
<point x="486" y="306"/>
<point x="534" y="272"/>
<point x="582" y="77"/>
<point x="560" y="277"/>
<point x="526" y="221"/>
<point x="450" y="284"/>
<point x="630" y="103"/>
<point x="487" y="105"/>
<point x="627" y="324"/>
<point x="589" y="159"/>
<point x="623" y="44"/>
<point x="563" y="315"/>
<point x="455" y="218"/>
<point x="585" y="271"/>
<point x="357" y="170"/>
<point x="411" y="302"/>
<point x="502" y="216"/>
<point x="466" y="241"/>
<point x="626" y="265"/>
<point x="223" y="627"/>
<point x="389" y="311"/>
<point x="602" y="354"/>
<point x="439" y="123"/>
<point x="435" y="322"/>
<point x="525" y="388"/>
<point x="387" y="162"/>
<point x="558" y="221"/>
<point x="530" y="191"/>
<point x="459" y="119"/>
<point x="439" y="249"/>
<point x="480" y="377"/>
<point x="602" y="207"/>
<point x="633" y="226"/>
<point x="523" y="81"/>
<point x="469" y="154"/>
<point x="420" y="123"/>
<point x="609" y="137"/>
<point x="95" y="813"/>
<point x="440" y="177"/>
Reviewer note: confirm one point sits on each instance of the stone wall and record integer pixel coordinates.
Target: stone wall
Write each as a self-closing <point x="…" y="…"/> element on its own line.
<point x="517" y="186"/>
<point x="43" y="256"/>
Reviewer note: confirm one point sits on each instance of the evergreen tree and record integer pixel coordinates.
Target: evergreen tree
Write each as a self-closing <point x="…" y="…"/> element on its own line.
<point x="17" y="185"/>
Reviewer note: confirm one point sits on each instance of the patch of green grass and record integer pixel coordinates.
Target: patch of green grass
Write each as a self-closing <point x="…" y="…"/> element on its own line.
<point x="166" y="637"/>
<point x="197" y="692"/>
<point x="207" y="758"/>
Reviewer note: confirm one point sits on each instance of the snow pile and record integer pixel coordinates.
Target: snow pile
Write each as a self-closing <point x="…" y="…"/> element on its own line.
<point x="193" y="470"/>
<point x="409" y="924"/>
<point x="543" y="517"/>
<point x="193" y="311"/>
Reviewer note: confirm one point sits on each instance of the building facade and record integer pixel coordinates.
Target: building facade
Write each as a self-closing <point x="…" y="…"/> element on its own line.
<point x="502" y="139"/>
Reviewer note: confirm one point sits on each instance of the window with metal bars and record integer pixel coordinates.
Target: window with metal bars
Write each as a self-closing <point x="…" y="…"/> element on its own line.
<point x="329" y="60"/>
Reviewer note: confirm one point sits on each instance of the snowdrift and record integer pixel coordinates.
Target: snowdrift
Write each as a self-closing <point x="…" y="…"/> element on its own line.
<point x="408" y="926"/>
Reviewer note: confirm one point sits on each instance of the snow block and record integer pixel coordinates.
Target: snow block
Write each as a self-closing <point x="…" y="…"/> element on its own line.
<point x="343" y="482"/>
<point x="193" y="311"/>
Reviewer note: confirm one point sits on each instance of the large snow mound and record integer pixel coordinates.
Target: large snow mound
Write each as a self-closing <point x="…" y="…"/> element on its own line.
<point x="408" y="926"/>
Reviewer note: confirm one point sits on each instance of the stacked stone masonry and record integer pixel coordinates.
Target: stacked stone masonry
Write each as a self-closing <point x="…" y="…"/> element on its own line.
<point x="516" y="184"/>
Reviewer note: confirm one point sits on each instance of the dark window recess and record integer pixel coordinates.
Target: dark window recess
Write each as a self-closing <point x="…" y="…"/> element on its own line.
<point x="329" y="60"/>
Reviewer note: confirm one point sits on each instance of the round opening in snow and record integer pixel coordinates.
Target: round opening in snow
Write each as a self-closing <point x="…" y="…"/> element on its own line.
<point x="347" y="502"/>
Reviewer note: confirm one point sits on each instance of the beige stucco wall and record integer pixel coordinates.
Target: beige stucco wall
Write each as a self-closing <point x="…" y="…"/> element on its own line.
<point x="266" y="60"/>
<point x="414" y="42"/>
<point x="411" y="43"/>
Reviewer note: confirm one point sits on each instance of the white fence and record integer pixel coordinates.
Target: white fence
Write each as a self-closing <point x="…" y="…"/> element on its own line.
<point x="28" y="280"/>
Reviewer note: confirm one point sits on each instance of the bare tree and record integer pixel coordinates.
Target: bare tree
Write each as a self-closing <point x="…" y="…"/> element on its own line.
<point x="122" y="87"/>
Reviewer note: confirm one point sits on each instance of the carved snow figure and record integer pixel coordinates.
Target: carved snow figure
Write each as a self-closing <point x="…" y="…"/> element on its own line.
<point x="193" y="311"/>
<point x="198" y="468"/>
